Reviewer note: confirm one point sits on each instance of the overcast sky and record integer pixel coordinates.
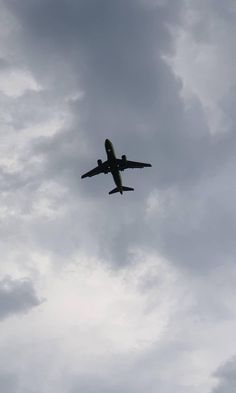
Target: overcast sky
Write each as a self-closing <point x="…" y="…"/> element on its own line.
<point x="107" y="293"/>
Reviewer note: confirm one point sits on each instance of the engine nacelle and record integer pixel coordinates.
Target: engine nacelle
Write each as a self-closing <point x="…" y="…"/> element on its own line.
<point x="124" y="159"/>
<point x="99" y="162"/>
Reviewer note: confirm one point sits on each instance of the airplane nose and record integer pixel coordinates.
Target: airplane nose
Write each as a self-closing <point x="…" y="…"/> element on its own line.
<point x="107" y="142"/>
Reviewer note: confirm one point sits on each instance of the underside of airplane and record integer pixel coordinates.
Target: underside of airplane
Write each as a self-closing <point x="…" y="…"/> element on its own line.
<point x="114" y="165"/>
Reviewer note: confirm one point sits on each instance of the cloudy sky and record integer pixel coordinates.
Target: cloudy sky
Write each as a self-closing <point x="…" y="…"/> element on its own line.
<point x="132" y="293"/>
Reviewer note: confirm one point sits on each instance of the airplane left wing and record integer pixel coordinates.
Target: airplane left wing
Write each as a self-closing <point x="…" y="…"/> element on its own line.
<point x="102" y="168"/>
<point x="125" y="164"/>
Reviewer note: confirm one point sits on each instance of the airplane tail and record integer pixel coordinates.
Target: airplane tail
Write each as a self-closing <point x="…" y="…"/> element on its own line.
<point x="123" y="189"/>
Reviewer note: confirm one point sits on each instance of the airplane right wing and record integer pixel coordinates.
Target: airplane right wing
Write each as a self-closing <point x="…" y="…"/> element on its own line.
<point x="102" y="168"/>
<point x="125" y="164"/>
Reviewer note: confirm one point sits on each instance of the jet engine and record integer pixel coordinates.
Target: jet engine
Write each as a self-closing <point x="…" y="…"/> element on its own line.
<point x="124" y="159"/>
<point x="99" y="162"/>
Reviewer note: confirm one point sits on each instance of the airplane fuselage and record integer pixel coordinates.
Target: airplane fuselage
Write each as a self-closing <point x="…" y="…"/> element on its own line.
<point x="111" y="157"/>
<point x="114" y="166"/>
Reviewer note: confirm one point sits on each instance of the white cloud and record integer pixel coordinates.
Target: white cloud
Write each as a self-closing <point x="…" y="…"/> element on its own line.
<point x="92" y="312"/>
<point x="14" y="83"/>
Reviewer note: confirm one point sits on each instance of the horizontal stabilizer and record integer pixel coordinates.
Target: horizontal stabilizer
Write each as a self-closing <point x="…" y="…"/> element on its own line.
<point x="123" y="189"/>
<point x="127" y="188"/>
<point x="113" y="191"/>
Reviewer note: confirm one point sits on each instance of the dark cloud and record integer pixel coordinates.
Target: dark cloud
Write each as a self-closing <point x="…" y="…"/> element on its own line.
<point x="126" y="87"/>
<point x="16" y="296"/>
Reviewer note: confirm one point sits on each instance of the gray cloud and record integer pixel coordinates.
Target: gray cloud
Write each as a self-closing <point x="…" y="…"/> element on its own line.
<point x="3" y="64"/>
<point x="8" y="383"/>
<point x="16" y="296"/>
<point x="126" y="87"/>
<point x="132" y="97"/>
<point x="102" y="73"/>
<point x="226" y="375"/>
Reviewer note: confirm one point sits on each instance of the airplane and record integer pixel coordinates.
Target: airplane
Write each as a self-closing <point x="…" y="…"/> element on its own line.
<point x="114" y="166"/>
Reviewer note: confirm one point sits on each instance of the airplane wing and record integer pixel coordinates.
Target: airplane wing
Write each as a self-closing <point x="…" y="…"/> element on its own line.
<point x="103" y="168"/>
<point x="125" y="164"/>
